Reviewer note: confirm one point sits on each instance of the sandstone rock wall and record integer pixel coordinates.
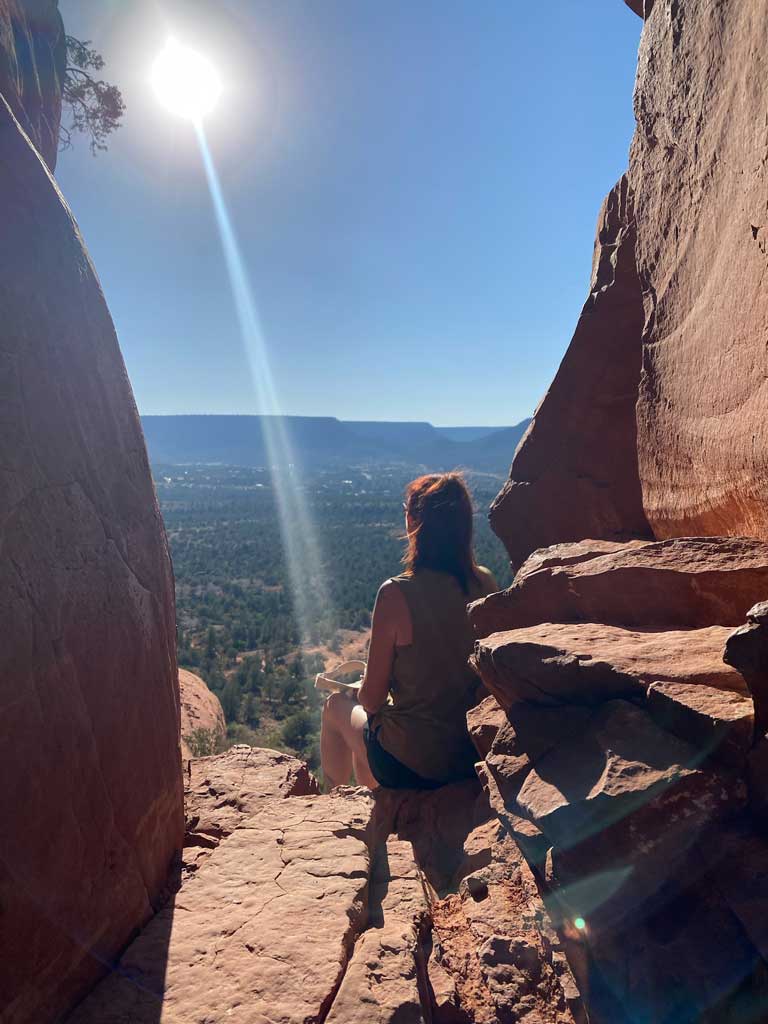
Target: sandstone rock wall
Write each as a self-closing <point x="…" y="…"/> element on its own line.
<point x="656" y="422"/>
<point x="575" y="471"/>
<point x="32" y="64"/>
<point x="699" y="169"/>
<point x="91" y="795"/>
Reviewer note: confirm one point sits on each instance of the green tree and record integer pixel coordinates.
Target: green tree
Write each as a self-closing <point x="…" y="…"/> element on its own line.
<point x="94" y="106"/>
<point x="230" y="700"/>
<point x="297" y="730"/>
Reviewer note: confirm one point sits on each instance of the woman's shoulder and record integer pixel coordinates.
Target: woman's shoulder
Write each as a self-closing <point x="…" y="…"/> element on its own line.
<point x="392" y="608"/>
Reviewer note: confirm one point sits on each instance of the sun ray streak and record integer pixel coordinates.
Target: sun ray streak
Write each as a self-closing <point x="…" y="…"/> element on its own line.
<point x="300" y="544"/>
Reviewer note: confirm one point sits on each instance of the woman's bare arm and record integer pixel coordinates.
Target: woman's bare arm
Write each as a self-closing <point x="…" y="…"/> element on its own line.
<point x="390" y="625"/>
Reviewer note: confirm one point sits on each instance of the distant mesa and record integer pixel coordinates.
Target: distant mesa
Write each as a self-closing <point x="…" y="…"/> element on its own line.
<point x="324" y="440"/>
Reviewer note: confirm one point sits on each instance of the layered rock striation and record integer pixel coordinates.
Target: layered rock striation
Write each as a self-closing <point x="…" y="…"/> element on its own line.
<point x="33" y="57"/>
<point x="655" y="424"/>
<point x="92" y="796"/>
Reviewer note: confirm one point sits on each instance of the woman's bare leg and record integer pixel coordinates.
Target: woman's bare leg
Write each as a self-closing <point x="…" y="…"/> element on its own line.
<point x="342" y="745"/>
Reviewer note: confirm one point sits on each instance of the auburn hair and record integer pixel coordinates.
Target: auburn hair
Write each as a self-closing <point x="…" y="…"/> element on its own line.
<point x="439" y="508"/>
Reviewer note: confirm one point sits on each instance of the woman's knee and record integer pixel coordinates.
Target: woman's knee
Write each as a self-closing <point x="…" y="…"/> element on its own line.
<point x="334" y="709"/>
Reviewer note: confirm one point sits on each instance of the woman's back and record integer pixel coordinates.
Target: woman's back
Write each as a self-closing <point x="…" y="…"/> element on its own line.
<point x="432" y="685"/>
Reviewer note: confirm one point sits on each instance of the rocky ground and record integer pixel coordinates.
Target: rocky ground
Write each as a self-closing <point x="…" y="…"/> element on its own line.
<point x="294" y="906"/>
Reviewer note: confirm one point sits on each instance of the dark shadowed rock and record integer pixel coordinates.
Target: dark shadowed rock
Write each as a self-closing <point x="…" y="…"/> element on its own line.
<point x="617" y="764"/>
<point x="586" y="663"/>
<point x="757" y="783"/>
<point x="641" y="7"/>
<point x="575" y="471"/>
<point x="33" y="57"/>
<point x="718" y="723"/>
<point x="746" y="649"/>
<point x="89" y="734"/>
<point x="685" y="583"/>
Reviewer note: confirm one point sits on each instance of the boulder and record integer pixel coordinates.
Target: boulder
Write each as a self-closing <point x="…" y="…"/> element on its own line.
<point x="553" y="663"/>
<point x="202" y="716"/>
<point x="688" y="961"/>
<point x="530" y="840"/>
<point x="575" y="471"/>
<point x="683" y="583"/>
<point x="89" y="735"/>
<point x="529" y="733"/>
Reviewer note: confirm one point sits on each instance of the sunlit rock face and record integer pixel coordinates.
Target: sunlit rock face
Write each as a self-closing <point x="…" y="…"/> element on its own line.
<point x="202" y="716"/>
<point x="657" y="417"/>
<point x="91" y="800"/>
<point x="698" y="166"/>
<point x="33" y="57"/>
<point x="575" y="472"/>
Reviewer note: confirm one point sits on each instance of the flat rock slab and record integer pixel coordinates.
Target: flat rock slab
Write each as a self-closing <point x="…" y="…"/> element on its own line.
<point x="222" y="791"/>
<point x="385" y="980"/>
<point x="682" y="583"/>
<point x="262" y="933"/>
<point x="587" y="663"/>
<point x="717" y="723"/>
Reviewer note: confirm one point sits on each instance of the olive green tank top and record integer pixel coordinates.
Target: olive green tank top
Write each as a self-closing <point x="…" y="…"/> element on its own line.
<point x="432" y="686"/>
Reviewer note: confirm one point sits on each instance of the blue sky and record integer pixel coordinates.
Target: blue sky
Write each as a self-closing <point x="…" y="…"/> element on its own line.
<point x="415" y="185"/>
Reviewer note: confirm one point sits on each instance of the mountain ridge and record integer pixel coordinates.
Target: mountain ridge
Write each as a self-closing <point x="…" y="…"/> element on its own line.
<point x="319" y="440"/>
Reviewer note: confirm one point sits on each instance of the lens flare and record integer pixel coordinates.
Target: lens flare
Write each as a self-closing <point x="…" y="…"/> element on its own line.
<point x="185" y="82"/>
<point x="302" y="551"/>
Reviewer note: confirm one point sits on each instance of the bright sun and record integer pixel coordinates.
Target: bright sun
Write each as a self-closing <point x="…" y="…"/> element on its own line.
<point x="185" y="82"/>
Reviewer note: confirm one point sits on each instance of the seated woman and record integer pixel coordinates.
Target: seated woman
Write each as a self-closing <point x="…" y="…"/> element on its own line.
<point x="409" y="729"/>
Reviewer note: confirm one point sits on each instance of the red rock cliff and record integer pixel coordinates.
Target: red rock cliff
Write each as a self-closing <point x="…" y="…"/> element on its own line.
<point x="91" y="798"/>
<point x="33" y="54"/>
<point x="656" y="422"/>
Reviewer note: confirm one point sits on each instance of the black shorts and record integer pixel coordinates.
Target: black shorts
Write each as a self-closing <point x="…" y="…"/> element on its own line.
<point x="387" y="770"/>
